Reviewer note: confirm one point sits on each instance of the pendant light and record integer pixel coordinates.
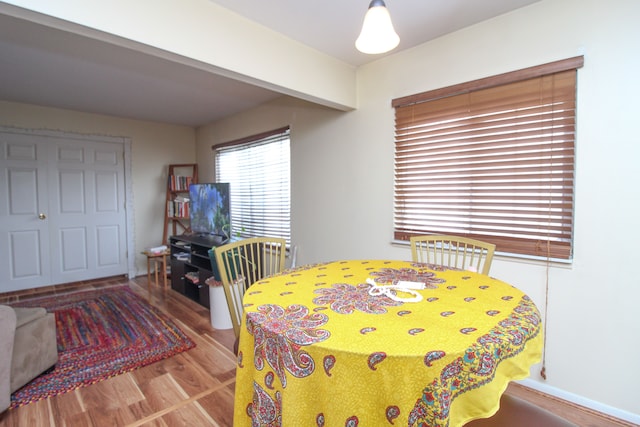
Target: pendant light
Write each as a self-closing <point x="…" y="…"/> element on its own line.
<point x="377" y="35"/>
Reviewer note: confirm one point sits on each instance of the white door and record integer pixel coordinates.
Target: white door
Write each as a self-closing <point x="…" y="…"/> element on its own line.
<point x="63" y="213"/>
<point x="24" y="243"/>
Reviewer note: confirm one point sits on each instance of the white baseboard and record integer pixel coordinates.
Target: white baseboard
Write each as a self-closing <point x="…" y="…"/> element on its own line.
<point x="582" y="401"/>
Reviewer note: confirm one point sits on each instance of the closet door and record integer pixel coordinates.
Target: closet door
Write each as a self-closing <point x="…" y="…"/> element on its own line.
<point x="86" y="210"/>
<point x="24" y="227"/>
<point x="64" y="219"/>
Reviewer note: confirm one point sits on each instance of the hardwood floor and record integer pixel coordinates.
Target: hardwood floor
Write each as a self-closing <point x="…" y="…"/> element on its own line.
<point x="193" y="388"/>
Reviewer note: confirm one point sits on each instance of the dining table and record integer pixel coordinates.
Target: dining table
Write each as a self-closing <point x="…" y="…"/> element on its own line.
<point x="381" y="343"/>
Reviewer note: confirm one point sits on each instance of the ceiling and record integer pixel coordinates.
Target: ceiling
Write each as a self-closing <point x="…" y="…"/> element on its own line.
<point x="50" y="67"/>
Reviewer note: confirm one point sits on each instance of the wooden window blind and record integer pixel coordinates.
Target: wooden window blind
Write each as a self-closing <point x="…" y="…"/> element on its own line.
<point x="257" y="169"/>
<point x="491" y="159"/>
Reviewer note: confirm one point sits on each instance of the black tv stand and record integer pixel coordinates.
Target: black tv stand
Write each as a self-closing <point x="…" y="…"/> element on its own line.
<point x="191" y="265"/>
<point x="214" y="239"/>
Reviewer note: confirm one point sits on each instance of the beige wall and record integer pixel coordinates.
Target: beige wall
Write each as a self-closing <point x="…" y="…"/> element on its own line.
<point x="153" y="147"/>
<point x="342" y="179"/>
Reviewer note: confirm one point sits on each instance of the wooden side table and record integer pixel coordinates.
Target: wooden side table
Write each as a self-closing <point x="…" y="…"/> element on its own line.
<point x="159" y="260"/>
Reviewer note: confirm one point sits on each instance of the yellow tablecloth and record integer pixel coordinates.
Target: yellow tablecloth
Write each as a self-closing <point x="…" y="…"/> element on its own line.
<point x="317" y="350"/>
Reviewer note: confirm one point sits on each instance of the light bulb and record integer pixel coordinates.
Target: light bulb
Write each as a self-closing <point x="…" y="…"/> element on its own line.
<point x="377" y="35"/>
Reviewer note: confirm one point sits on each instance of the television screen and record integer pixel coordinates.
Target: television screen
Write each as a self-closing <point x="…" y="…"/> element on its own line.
<point x="210" y="212"/>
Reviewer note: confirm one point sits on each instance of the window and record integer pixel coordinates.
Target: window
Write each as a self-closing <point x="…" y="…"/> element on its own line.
<point x="257" y="169"/>
<point x="491" y="159"/>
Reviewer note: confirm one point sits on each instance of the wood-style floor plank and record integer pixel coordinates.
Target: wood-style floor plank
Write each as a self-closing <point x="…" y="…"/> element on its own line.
<point x="193" y="388"/>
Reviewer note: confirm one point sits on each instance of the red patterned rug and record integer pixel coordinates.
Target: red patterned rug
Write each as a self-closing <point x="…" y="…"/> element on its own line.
<point x="101" y="334"/>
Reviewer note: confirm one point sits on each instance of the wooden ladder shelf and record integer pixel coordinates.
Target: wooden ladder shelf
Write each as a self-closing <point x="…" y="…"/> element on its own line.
<point x="176" y="215"/>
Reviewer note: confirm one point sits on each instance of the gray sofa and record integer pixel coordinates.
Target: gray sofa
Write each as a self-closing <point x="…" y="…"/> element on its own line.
<point x="27" y="347"/>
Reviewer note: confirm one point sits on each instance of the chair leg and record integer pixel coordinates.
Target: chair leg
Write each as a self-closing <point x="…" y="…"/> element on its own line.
<point x="236" y="344"/>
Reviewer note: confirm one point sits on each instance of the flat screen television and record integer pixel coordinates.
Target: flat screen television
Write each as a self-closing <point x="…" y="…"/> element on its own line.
<point x="209" y="212"/>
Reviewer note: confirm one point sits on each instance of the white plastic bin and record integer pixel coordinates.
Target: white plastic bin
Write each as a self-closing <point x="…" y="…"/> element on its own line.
<point x="218" y="308"/>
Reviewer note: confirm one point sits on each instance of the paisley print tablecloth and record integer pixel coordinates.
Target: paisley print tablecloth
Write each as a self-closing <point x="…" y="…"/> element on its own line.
<point x="317" y="350"/>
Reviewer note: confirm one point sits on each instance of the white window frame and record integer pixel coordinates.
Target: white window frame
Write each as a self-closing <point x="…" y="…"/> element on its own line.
<point x="258" y="170"/>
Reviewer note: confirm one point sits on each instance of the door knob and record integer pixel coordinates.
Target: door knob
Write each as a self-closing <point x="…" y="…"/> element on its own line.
<point x="42" y="216"/>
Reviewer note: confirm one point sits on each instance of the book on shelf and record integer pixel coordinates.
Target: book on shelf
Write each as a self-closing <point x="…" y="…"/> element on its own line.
<point x="180" y="183"/>
<point x="182" y="256"/>
<point x="178" y="208"/>
<point x="193" y="277"/>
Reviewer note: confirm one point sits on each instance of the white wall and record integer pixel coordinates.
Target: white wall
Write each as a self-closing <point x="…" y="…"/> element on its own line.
<point x="153" y="147"/>
<point x="204" y="35"/>
<point x="342" y="178"/>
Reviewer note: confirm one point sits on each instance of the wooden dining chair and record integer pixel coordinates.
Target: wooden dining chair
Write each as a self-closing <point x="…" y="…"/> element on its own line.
<point x="243" y="263"/>
<point x="453" y="251"/>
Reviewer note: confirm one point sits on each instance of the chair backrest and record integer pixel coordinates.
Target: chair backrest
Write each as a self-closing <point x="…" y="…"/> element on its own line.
<point x="243" y="263"/>
<point x="453" y="251"/>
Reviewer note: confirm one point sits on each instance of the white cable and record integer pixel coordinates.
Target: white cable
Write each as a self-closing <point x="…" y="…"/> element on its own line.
<point x="391" y="291"/>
